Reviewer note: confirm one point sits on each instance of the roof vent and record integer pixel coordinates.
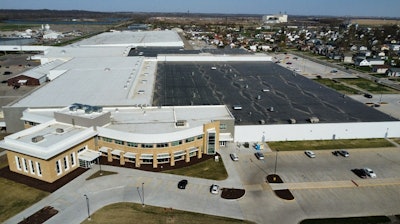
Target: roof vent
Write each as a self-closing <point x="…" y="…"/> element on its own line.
<point x="37" y="138"/>
<point x="180" y="123"/>
<point x="59" y="130"/>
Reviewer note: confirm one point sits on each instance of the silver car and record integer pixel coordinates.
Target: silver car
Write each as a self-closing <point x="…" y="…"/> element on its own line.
<point x="310" y="153"/>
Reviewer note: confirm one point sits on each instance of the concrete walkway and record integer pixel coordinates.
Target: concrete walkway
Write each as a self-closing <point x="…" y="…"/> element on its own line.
<point x="159" y="190"/>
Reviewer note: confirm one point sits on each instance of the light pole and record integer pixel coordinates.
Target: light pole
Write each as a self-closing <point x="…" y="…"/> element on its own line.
<point x="276" y="160"/>
<point x="143" y="194"/>
<point x="87" y="204"/>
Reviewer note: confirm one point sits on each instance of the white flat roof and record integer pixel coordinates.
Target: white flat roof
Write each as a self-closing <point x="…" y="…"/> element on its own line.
<point x="106" y="81"/>
<point x="53" y="142"/>
<point x="85" y="52"/>
<point x="42" y="70"/>
<point x="167" y="38"/>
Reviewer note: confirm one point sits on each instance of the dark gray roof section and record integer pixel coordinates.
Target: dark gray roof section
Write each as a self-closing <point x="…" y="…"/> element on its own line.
<point x="265" y="91"/>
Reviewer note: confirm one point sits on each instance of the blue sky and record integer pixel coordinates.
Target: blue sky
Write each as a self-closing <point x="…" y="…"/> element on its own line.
<point x="385" y="8"/>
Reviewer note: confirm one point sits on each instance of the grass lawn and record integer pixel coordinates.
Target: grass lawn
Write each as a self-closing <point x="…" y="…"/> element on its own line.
<point x="202" y="170"/>
<point x="135" y="213"/>
<point x="19" y="198"/>
<point x="337" y="86"/>
<point x="354" y="220"/>
<point x="369" y="86"/>
<point x="329" y="144"/>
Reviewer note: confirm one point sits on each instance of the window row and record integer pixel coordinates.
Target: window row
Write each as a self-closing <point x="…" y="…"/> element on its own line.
<point x="64" y="164"/>
<point x="28" y="165"/>
<point x="151" y="145"/>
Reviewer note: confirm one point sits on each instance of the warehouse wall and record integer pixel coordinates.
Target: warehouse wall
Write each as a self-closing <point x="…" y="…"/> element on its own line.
<point x="320" y="131"/>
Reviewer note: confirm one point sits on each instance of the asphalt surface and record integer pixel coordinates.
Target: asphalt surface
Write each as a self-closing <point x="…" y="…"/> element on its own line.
<point x="264" y="90"/>
<point x="322" y="187"/>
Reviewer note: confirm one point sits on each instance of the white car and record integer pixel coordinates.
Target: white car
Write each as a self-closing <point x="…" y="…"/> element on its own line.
<point x="234" y="157"/>
<point x="369" y="172"/>
<point x="214" y="189"/>
<point x="310" y="154"/>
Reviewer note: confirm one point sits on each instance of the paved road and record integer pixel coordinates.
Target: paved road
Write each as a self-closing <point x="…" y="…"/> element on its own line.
<point x="322" y="187"/>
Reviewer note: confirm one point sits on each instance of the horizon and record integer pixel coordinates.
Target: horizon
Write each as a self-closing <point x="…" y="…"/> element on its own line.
<point x="339" y="8"/>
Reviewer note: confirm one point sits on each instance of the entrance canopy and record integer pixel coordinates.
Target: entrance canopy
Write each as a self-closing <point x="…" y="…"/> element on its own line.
<point x="89" y="155"/>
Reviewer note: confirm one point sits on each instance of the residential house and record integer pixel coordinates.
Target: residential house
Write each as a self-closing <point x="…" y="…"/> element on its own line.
<point x="375" y="61"/>
<point x="393" y="72"/>
<point x="362" y="62"/>
<point x="347" y="58"/>
<point x="381" y="69"/>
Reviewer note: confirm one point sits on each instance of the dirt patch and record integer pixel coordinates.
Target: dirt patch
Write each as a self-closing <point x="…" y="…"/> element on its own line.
<point x="273" y="178"/>
<point x="283" y="193"/>
<point x="160" y="167"/>
<point x="40" y="216"/>
<point x="38" y="184"/>
<point x="231" y="193"/>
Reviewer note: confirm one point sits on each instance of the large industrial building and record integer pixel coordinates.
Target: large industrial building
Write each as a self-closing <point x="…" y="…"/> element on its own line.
<point x="139" y="98"/>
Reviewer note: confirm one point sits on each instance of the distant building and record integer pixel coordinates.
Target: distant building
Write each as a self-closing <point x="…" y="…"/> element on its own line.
<point x="279" y="18"/>
<point x="393" y="72"/>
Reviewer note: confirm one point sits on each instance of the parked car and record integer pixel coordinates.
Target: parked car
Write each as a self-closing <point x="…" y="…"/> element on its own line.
<point x="334" y="71"/>
<point x="288" y="63"/>
<point x="234" y="157"/>
<point x="310" y="153"/>
<point x="259" y="155"/>
<point x="369" y="172"/>
<point x="344" y="153"/>
<point x="335" y="153"/>
<point x="214" y="189"/>
<point x="367" y="95"/>
<point x="182" y="184"/>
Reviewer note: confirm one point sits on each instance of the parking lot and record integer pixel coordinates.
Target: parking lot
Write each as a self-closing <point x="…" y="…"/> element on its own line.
<point x="14" y="63"/>
<point x="323" y="186"/>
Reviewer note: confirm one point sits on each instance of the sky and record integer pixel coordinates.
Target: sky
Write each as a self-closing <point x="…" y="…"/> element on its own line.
<point x="363" y="8"/>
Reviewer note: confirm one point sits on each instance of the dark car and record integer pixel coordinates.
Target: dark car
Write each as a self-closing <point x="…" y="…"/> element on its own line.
<point x="335" y="153"/>
<point x="182" y="184"/>
<point x="344" y="153"/>
<point x="367" y="95"/>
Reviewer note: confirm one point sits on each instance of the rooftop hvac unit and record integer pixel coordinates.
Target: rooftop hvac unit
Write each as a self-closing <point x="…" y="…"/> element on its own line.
<point x="97" y="109"/>
<point x="180" y="123"/>
<point x="88" y="110"/>
<point x="59" y="130"/>
<point x="314" y="120"/>
<point x="37" y="138"/>
<point x="77" y="105"/>
<point x="73" y="108"/>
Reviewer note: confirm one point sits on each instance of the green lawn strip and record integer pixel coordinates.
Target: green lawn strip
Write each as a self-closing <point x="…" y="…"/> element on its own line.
<point x="369" y="86"/>
<point x="329" y="144"/>
<point x="337" y="86"/>
<point x="100" y="174"/>
<point x="353" y="220"/>
<point x="397" y="140"/>
<point x="16" y="197"/>
<point x="135" y="213"/>
<point x="16" y="27"/>
<point x="209" y="169"/>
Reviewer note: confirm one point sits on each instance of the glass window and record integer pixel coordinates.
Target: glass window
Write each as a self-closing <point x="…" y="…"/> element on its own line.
<point x="107" y="139"/>
<point x="24" y="165"/>
<point x="132" y="144"/>
<point x="211" y="143"/>
<point x="18" y="162"/>
<point x="31" y="167"/>
<point x="147" y="145"/>
<point x="73" y="159"/>
<point x="58" y="167"/>
<point x="39" y="169"/>
<point x="222" y="126"/>
<point x="200" y="137"/>
<point x="66" y="165"/>
<point x="119" y="142"/>
<point x="162" y="145"/>
<point x="174" y="143"/>
<point x="189" y="139"/>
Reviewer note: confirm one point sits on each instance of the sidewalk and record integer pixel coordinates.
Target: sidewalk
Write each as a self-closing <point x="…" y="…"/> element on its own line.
<point x="160" y="190"/>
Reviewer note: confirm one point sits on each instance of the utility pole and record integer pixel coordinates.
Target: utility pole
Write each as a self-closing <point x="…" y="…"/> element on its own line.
<point x="87" y="205"/>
